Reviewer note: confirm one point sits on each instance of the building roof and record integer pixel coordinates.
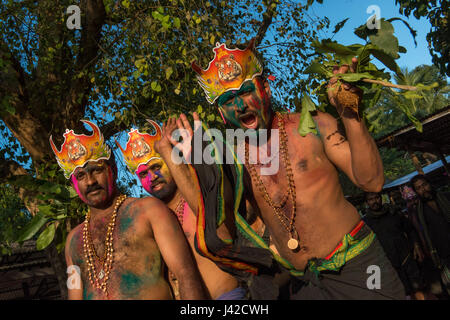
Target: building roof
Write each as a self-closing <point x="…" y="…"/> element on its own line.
<point x="436" y="132"/>
<point x="405" y="179"/>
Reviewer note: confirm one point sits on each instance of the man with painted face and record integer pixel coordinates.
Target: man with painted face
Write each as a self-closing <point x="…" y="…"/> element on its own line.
<point x="154" y="175"/>
<point x="313" y="231"/>
<point x="120" y="250"/>
<point x="433" y="215"/>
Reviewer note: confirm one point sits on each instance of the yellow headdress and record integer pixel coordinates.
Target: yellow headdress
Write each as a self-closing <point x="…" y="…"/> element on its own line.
<point x="140" y="147"/>
<point x="78" y="149"/>
<point x="228" y="70"/>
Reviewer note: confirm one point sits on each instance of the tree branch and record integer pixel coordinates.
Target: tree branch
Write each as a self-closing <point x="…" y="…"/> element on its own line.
<point x="267" y="20"/>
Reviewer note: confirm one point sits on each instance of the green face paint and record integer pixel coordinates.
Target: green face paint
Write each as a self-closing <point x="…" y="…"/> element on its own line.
<point x="248" y="107"/>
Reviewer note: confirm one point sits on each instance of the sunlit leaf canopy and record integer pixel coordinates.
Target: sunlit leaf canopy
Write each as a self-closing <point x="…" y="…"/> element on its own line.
<point x="129" y="61"/>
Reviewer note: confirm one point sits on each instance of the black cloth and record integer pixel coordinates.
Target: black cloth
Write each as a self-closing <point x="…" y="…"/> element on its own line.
<point x="260" y="285"/>
<point x="438" y="230"/>
<point x="397" y="236"/>
<point x="354" y="279"/>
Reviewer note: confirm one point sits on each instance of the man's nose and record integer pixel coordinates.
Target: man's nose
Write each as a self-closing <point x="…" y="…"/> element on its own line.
<point x="152" y="176"/>
<point x="240" y="105"/>
<point x="91" y="179"/>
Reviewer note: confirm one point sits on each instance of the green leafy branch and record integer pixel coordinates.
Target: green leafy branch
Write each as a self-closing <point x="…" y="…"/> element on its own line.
<point x="382" y="45"/>
<point x="58" y="204"/>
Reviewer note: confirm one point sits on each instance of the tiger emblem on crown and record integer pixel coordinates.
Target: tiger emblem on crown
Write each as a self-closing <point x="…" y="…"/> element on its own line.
<point x="228" y="68"/>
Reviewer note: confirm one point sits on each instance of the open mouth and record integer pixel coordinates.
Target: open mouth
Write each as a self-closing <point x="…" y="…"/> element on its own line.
<point x="249" y="120"/>
<point x="157" y="186"/>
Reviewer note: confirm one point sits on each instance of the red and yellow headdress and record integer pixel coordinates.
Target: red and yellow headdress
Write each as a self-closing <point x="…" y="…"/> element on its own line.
<point x="228" y="70"/>
<point x="140" y="147"/>
<point x="78" y="149"/>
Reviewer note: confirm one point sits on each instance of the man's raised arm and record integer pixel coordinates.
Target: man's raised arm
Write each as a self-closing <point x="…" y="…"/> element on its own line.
<point x="183" y="175"/>
<point x="354" y="152"/>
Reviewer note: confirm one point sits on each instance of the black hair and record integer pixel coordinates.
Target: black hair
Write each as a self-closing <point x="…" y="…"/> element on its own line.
<point x="366" y="194"/>
<point x="417" y="178"/>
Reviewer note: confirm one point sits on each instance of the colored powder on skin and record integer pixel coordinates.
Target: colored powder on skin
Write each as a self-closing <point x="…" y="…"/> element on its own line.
<point x="77" y="189"/>
<point x="125" y="222"/>
<point x="76" y="247"/>
<point x="130" y="284"/>
<point x="147" y="181"/>
<point x="87" y="296"/>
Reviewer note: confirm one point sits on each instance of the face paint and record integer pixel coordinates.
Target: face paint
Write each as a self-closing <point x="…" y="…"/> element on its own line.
<point x="247" y="108"/>
<point x="156" y="175"/>
<point x="77" y="189"/>
<point x="147" y="180"/>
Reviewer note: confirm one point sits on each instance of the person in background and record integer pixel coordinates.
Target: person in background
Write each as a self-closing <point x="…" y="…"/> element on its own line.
<point x="396" y="234"/>
<point x="433" y="215"/>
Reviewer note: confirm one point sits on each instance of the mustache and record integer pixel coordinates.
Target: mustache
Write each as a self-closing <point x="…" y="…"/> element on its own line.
<point x="94" y="187"/>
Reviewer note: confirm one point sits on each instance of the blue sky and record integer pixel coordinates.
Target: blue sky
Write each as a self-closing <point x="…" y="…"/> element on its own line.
<point x="336" y="11"/>
<point x="356" y="11"/>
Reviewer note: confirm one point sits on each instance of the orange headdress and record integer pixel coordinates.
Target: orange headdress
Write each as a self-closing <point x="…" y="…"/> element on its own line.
<point x="78" y="149"/>
<point x="140" y="147"/>
<point x="228" y="70"/>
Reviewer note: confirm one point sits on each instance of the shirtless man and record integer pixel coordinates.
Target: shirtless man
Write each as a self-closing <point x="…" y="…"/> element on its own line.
<point x="317" y="234"/>
<point x="156" y="179"/>
<point x="120" y="251"/>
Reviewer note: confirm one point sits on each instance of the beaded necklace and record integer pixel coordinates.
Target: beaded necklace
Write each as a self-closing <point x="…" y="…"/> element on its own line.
<point x="286" y="222"/>
<point x="99" y="280"/>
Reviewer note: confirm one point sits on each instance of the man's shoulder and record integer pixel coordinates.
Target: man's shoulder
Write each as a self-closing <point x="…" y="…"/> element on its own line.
<point x="73" y="238"/>
<point x="147" y="205"/>
<point x="291" y="118"/>
<point x="76" y="232"/>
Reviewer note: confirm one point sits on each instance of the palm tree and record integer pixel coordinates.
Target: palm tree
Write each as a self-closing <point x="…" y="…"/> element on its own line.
<point x="392" y="110"/>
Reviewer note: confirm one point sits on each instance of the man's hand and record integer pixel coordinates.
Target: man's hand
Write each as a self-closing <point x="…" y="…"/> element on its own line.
<point x="344" y="96"/>
<point x="166" y="140"/>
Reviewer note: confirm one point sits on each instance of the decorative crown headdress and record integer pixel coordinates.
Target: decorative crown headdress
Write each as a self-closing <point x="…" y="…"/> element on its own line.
<point x="78" y="149"/>
<point x="228" y="70"/>
<point x="140" y="147"/>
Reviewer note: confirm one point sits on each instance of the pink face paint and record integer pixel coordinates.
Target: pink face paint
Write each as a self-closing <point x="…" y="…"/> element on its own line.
<point x="147" y="180"/>
<point x="221" y="114"/>
<point x="77" y="189"/>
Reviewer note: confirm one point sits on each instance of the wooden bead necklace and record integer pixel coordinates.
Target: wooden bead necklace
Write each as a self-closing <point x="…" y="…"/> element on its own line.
<point x="293" y="242"/>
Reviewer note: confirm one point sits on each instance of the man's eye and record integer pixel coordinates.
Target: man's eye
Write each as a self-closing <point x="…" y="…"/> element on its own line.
<point x="80" y="175"/>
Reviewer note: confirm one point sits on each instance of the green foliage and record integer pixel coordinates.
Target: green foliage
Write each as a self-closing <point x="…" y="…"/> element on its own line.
<point x="396" y="163"/>
<point x="390" y="113"/>
<point x="13" y="217"/>
<point x="437" y="12"/>
<point x="59" y="205"/>
<point x="382" y="45"/>
<point x="130" y="61"/>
